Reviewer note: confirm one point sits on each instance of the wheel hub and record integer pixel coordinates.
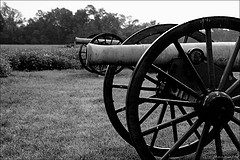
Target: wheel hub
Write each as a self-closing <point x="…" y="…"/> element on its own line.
<point x="218" y="108"/>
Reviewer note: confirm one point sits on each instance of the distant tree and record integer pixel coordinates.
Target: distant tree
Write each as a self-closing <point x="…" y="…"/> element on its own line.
<point x="13" y="21"/>
<point x="37" y="29"/>
<point x="51" y="27"/>
<point x="11" y="16"/>
<point x="91" y="10"/>
<point x="129" y="25"/>
<point x="2" y="23"/>
<point x="110" y="23"/>
<point x="153" y="22"/>
<point x="40" y="14"/>
<point x="80" y="23"/>
<point x="60" y="25"/>
<point x="61" y="21"/>
<point x="95" y="18"/>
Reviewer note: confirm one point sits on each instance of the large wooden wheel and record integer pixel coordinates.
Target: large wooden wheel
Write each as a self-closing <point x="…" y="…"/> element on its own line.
<point x="115" y="86"/>
<point x="83" y="54"/>
<point x="192" y="106"/>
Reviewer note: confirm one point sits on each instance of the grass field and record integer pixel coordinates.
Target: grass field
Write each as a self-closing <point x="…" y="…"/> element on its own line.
<point x="61" y="115"/>
<point x="57" y="115"/>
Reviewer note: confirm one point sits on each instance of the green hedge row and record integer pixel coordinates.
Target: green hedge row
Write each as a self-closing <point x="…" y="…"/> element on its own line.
<point x="38" y="59"/>
<point x="5" y="68"/>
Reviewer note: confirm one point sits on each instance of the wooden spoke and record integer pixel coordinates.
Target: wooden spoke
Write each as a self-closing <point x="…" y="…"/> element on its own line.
<point x="169" y="101"/>
<point x="202" y="141"/>
<point x="148" y="113"/>
<point x="154" y="81"/>
<point x="98" y="42"/>
<point x="169" y="123"/>
<point x="234" y="86"/>
<point x="229" y="66"/>
<point x="120" y="86"/>
<point x="182" y="139"/>
<point x="131" y="67"/>
<point x="160" y="119"/>
<point x="120" y="109"/>
<point x="185" y="39"/>
<point x="235" y="98"/>
<point x="218" y="142"/>
<point x="211" y="71"/>
<point x="189" y="120"/>
<point x="174" y="126"/>
<point x="195" y="74"/>
<point x="232" y="136"/>
<point x="111" y="40"/>
<point x="173" y="80"/>
<point x="235" y="120"/>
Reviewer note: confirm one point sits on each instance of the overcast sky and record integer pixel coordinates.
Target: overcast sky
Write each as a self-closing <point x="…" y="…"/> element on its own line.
<point x="144" y="11"/>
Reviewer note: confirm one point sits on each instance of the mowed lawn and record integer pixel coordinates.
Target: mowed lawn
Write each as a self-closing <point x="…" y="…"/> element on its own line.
<point x="57" y="115"/>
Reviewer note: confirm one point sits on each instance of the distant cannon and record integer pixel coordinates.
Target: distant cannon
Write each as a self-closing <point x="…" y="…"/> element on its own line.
<point x="100" y="39"/>
<point x="187" y="91"/>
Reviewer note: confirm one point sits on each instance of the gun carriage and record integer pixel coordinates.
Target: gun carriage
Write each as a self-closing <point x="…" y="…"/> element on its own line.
<point x="186" y="91"/>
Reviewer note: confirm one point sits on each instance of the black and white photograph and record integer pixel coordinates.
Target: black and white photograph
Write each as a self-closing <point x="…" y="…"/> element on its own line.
<point x="119" y="80"/>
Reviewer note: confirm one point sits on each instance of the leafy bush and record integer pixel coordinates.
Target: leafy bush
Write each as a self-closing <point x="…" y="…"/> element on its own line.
<point x="41" y="58"/>
<point x="5" y="68"/>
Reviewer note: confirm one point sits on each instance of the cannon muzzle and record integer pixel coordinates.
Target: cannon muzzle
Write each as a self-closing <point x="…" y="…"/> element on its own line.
<point x="130" y="54"/>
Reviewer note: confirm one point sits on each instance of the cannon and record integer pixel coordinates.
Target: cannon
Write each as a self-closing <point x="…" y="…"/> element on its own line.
<point x="100" y="39"/>
<point x="215" y="94"/>
<point x="114" y="111"/>
<point x="189" y="95"/>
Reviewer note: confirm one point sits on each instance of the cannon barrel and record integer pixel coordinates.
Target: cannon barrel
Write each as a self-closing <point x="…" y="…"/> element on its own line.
<point x="82" y="40"/>
<point x="130" y="54"/>
<point x="87" y="40"/>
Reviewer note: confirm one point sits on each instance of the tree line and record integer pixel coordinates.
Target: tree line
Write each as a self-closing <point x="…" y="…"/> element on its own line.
<point x="60" y="25"/>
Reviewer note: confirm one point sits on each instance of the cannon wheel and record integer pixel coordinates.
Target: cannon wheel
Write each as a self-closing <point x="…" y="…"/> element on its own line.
<point x="114" y="91"/>
<point x="209" y="111"/>
<point x="83" y="54"/>
<point x="112" y="109"/>
<point x="103" y="39"/>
